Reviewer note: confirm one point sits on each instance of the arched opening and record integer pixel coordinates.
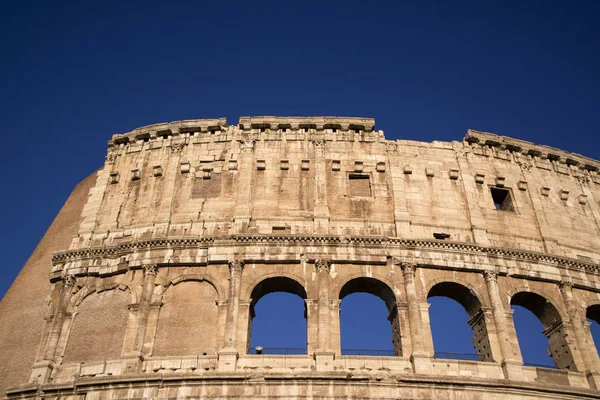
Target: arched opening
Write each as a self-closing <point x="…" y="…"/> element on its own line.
<point x="458" y="324"/>
<point x="593" y="317"/>
<point x="552" y="329"/>
<point x="277" y="323"/>
<point x="366" y="305"/>
<point x="98" y="329"/>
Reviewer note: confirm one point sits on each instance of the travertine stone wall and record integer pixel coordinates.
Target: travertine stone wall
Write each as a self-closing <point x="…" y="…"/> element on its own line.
<point x="190" y="223"/>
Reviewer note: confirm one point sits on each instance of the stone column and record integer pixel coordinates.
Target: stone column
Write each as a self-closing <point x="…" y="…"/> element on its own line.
<point x="229" y="354"/>
<point x="323" y="355"/>
<point x="511" y="363"/>
<point x="586" y="351"/>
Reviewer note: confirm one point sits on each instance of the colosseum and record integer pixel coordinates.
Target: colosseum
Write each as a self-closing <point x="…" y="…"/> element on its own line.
<point x="145" y="284"/>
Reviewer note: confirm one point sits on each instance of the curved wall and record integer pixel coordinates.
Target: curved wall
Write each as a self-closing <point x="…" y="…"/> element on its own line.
<point x="190" y="223"/>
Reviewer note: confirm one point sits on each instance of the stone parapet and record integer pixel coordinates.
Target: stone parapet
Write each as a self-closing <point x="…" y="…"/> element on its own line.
<point x="511" y="145"/>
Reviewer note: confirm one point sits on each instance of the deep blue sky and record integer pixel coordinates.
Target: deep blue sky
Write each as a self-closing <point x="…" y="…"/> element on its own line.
<point x="74" y="73"/>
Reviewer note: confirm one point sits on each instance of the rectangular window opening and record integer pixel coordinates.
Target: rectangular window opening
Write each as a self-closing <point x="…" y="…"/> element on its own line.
<point x="359" y="185"/>
<point x="502" y="199"/>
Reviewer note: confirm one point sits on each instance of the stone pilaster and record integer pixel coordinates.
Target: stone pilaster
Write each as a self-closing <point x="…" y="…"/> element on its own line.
<point x="42" y="370"/>
<point x="242" y="211"/>
<point x="421" y="361"/>
<point x="335" y="329"/>
<point x="150" y="271"/>
<point x="323" y="268"/>
<point x="414" y="312"/>
<point x="511" y="363"/>
<point x="585" y="350"/>
<point x="324" y="356"/>
<point x="229" y="354"/>
<point x="321" y="210"/>
<point x="57" y="320"/>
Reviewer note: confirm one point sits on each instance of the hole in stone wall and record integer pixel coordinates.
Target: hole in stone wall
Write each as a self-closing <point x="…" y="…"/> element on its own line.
<point x="359" y="185"/>
<point x="282" y="229"/>
<point x="502" y="199"/>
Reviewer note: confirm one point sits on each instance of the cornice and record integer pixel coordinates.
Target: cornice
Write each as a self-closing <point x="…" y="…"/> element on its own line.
<point x="533" y="150"/>
<point x="377" y="242"/>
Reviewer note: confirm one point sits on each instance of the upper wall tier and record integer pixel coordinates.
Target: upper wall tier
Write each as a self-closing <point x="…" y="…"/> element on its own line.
<point x="339" y="176"/>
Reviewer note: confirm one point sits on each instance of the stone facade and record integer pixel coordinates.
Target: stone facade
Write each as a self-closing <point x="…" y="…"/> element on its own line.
<point x="144" y="286"/>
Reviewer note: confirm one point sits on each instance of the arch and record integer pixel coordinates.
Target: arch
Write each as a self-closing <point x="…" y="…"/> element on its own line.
<point x="593" y="313"/>
<point x="552" y="322"/>
<point x="198" y="278"/>
<point x="382" y="290"/>
<point x="542" y="308"/>
<point x="188" y="319"/>
<point x="97" y="330"/>
<point x="374" y="286"/>
<point x="269" y="285"/>
<point x="383" y="279"/>
<point x="458" y="292"/>
<point x="84" y="291"/>
<point x="466" y="297"/>
<point x="556" y="302"/>
<point x="248" y="288"/>
<point x="481" y="296"/>
<point x="277" y="283"/>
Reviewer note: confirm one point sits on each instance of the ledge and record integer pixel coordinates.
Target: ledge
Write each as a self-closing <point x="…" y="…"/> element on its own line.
<point x="318" y="123"/>
<point x="116" y="254"/>
<point x="82" y="385"/>
<point x="528" y="148"/>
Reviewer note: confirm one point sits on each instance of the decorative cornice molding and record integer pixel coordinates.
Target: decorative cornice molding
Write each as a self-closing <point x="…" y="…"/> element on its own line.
<point x="117" y="251"/>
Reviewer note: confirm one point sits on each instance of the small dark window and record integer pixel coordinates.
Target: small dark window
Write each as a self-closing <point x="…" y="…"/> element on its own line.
<point x="502" y="199"/>
<point x="282" y="229"/>
<point x="359" y="185"/>
<point x="262" y="129"/>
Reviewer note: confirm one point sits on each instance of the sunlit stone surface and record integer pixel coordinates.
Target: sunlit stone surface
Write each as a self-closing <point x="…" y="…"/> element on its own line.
<point x="145" y="284"/>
